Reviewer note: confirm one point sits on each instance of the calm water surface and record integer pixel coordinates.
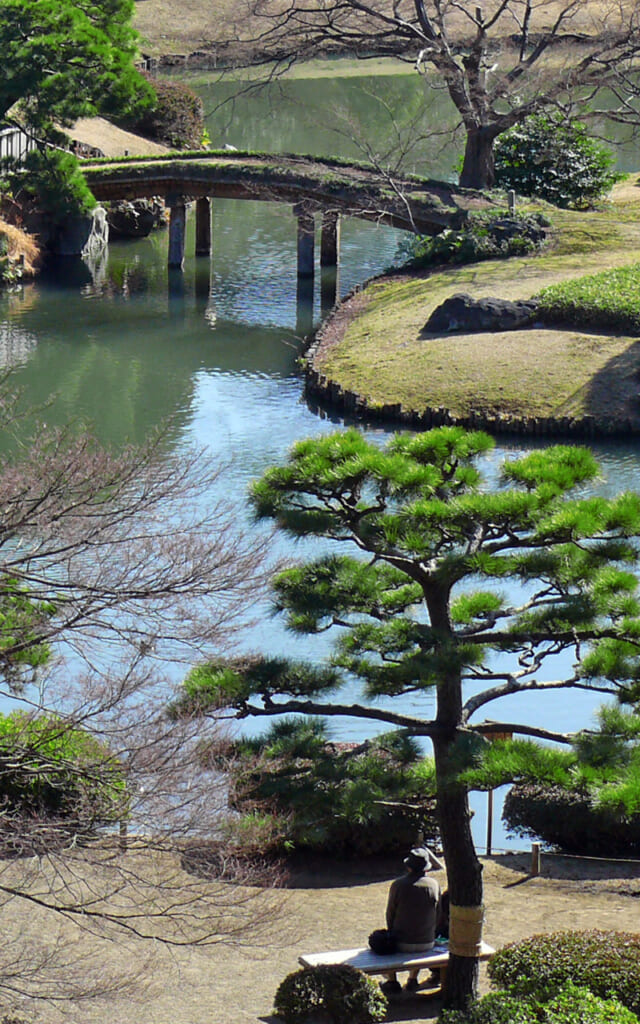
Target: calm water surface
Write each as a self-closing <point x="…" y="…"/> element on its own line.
<point x="216" y="352"/>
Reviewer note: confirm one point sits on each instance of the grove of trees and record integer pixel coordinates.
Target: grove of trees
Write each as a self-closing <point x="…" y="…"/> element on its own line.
<point x="460" y="591"/>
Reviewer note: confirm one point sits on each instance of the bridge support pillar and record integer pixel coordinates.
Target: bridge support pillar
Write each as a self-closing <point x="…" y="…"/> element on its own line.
<point x="306" y="241"/>
<point x="329" y="289"/>
<point x="330" y="239"/>
<point x="177" y="230"/>
<point x="203" y="226"/>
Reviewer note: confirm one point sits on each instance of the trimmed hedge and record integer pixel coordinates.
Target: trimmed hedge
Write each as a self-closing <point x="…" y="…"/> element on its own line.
<point x="607" y="963"/>
<point x="56" y="772"/>
<point x="342" y="994"/>
<point x="569" y="821"/>
<point x="572" y="1005"/>
<point x="610" y="299"/>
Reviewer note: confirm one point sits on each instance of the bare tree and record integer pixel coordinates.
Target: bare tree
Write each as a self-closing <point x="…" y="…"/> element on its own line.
<point x="116" y="569"/>
<point x="499" y="62"/>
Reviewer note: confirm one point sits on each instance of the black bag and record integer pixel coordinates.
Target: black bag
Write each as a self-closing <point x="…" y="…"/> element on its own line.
<point x="382" y="942"/>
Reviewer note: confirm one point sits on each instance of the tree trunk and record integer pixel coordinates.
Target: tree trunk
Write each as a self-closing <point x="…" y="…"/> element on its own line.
<point x="464" y="872"/>
<point x="478" y="165"/>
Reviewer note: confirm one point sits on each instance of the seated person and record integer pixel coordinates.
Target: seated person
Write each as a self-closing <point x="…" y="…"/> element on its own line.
<point x="412" y="911"/>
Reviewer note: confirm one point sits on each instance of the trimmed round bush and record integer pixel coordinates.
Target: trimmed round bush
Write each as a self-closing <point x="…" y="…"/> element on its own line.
<point x="607" y="963"/>
<point x="568" y="820"/>
<point x="554" y="159"/>
<point x="572" y="1005"/>
<point x="175" y="116"/>
<point x="337" y="993"/>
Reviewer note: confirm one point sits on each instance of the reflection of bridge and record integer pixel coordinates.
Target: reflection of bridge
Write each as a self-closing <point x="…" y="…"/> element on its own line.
<point x="329" y="187"/>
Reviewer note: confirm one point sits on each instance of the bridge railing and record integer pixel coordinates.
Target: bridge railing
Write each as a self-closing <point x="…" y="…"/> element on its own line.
<point x="15" y="144"/>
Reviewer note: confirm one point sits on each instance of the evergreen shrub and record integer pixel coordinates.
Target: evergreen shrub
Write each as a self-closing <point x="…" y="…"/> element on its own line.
<point x="294" y="788"/>
<point x="337" y="993"/>
<point x="52" y="771"/>
<point x="571" y="1005"/>
<point x="484" y="237"/>
<point x="554" y="159"/>
<point x="175" y="116"/>
<point x="607" y="963"/>
<point x="570" y="821"/>
<point x="53" y="181"/>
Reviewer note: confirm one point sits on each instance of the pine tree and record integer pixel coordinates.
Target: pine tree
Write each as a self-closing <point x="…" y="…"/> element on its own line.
<point x="63" y="60"/>
<point x="451" y="582"/>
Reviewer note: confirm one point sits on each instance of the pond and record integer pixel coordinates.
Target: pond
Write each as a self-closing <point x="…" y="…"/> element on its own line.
<point x="217" y="355"/>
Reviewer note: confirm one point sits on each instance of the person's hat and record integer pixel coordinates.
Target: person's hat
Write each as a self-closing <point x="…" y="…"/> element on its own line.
<point x="418" y="860"/>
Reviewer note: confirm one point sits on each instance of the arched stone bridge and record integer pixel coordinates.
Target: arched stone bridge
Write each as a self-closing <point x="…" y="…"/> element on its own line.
<point x="330" y="187"/>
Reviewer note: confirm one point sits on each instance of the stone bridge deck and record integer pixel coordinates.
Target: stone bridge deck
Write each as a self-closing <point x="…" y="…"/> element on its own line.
<point x="331" y="187"/>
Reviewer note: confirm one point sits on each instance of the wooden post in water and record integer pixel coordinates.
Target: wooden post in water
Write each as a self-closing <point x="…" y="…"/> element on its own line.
<point x="203" y="226"/>
<point x="177" y="230"/>
<point x="306" y="241"/>
<point x="330" y="239"/>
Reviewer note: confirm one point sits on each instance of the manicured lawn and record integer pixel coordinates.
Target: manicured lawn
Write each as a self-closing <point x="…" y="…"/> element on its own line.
<point x="543" y="371"/>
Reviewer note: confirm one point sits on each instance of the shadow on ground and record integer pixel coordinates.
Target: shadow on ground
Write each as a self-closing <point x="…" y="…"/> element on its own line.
<point x="404" y="1008"/>
<point x="319" y="872"/>
<point x="615" y="390"/>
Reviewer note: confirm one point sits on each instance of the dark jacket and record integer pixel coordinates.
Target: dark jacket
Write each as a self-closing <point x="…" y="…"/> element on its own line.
<point x="412" y="908"/>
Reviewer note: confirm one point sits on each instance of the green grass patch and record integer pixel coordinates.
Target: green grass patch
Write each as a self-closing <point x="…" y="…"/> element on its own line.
<point x="610" y="299"/>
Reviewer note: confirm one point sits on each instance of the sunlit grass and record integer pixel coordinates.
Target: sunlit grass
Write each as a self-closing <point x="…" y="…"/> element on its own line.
<point x="605" y="300"/>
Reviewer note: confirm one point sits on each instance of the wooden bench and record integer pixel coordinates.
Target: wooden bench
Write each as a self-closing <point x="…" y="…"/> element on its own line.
<point x="371" y="963"/>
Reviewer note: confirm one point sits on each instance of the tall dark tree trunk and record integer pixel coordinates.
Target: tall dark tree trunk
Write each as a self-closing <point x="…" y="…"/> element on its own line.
<point x="464" y="871"/>
<point x="478" y="170"/>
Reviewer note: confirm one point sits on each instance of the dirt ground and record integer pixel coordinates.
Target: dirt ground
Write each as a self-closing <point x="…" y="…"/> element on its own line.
<point x="335" y="906"/>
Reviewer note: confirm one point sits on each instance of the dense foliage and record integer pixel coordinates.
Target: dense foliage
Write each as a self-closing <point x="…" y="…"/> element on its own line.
<point x="52" y="181"/>
<point x="51" y="770"/>
<point x="584" y="798"/>
<point x="343" y="994"/>
<point x="608" y="963"/>
<point x="610" y="299"/>
<point x="483" y="237"/>
<point x="554" y="159"/>
<point x="346" y="799"/>
<point x="570" y="1005"/>
<point x="571" y="821"/>
<point x="175" y="115"/>
<point x="63" y="59"/>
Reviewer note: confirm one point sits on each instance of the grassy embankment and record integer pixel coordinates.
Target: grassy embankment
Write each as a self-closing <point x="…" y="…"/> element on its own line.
<point x="378" y="348"/>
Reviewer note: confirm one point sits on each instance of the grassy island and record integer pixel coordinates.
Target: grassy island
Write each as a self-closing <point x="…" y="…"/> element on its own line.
<point x="375" y="345"/>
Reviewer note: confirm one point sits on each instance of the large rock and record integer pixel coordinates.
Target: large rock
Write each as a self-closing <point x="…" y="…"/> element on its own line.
<point x="82" y="236"/>
<point x="136" y="218"/>
<point x="463" y="313"/>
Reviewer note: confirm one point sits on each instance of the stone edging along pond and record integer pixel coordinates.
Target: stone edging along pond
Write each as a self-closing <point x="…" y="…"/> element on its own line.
<point x="331" y="393"/>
